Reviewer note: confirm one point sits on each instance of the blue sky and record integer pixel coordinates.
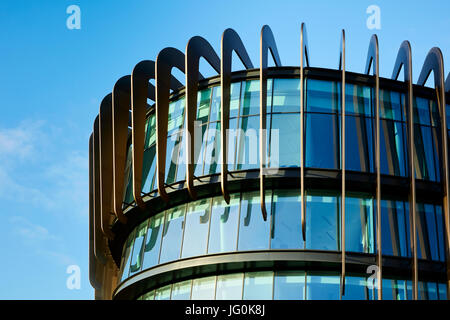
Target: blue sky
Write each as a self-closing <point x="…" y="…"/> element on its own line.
<point x="53" y="80"/>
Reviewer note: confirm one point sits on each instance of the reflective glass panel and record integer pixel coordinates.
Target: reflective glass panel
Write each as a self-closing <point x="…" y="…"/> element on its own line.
<point x="289" y="285"/>
<point x="355" y="289"/>
<point x="229" y="286"/>
<point x="425" y="152"/>
<point x="286" y="95"/>
<point x="357" y="100"/>
<point x="253" y="230"/>
<point x="224" y="224"/>
<point x="250" y="97"/>
<point x="258" y="285"/>
<point x="285" y="140"/>
<point x="138" y="248"/>
<point x="153" y="241"/>
<point x="248" y="144"/>
<point x="421" y="110"/>
<point x="149" y="169"/>
<point x="149" y="295"/>
<point x="359" y="232"/>
<point x="126" y="256"/>
<point x="150" y="131"/>
<point x="358" y="144"/>
<point x="163" y="293"/>
<point x="181" y="290"/>
<point x="392" y="152"/>
<point x="322" y="96"/>
<point x="172" y="234"/>
<point x="321" y="222"/>
<point x="286" y="230"/>
<point x="176" y="116"/>
<point x="427" y="240"/>
<point x="322" y="287"/>
<point x="395" y="228"/>
<point x="390" y="105"/>
<point x="212" y="152"/>
<point x="203" y="288"/>
<point x="203" y="100"/>
<point x="196" y="228"/>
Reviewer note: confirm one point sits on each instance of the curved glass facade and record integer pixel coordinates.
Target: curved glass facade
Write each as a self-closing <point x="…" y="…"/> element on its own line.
<point x="290" y="285"/>
<point x="322" y="132"/>
<point x="210" y="226"/>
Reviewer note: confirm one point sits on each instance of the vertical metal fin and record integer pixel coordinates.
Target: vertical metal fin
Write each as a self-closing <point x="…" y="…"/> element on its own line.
<point x="165" y="61"/>
<point x="267" y="42"/>
<point x="404" y="59"/>
<point x="196" y="48"/>
<point x="230" y="42"/>
<point x="106" y="163"/>
<point x="121" y="101"/>
<point x="373" y="56"/>
<point x="141" y="89"/>
<point x="304" y="53"/>
<point x="434" y="62"/>
<point x="342" y="68"/>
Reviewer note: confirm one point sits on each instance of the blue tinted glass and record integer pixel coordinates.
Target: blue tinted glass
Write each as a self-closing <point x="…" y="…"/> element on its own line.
<point x="289" y="285"/>
<point x="203" y="101"/>
<point x="232" y="136"/>
<point x="395" y="240"/>
<point x="126" y="256"/>
<point x="390" y="105"/>
<point x="138" y="248"/>
<point x="421" y="111"/>
<point x="394" y="289"/>
<point x="322" y="96"/>
<point x="440" y="232"/>
<point x="427" y="246"/>
<point x="258" y="286"/>
<point x="355" y="289"/>
<point x="392" y="142"/>
<point x="321" y="222"/>
<point x="424" y="160"/>
<point x="322" y="287"/>
<point x="150" y="131"/>
<point x="358" y="144"/>
<point x="172" y="152"/>
<point x="248" y="144"/>
<point x="286" y="95"/>
<point x="196" y="228"/>
<point x="215" y="104"/>
<point x="212" y="150"/>
<point x="173" y="231"/>
<point x="199" y="148"/>
<point x="322" y="141"/>
<point x="224" y="225"/>
<point x="285" y="140"/>
<point x="250" y="97"/>
<point x="176" y="116"/>
<point x="153" y="241"/>
<point x="286" y="220"/>
<point x="234" y="99"/>
<point x="149" y="169"/>
<point x="253" y="230"/>
<point x="357" y="99"/>
<point x="359" y="235"/>
<point x="442" y="290"/>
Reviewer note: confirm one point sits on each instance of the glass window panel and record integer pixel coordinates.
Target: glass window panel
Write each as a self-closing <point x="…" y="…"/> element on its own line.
<point x="258" y="286"/>
<point x="322" y="96"/>
<point x="176" y="116"/>
<point x="286" y="95"/>
<point x="357" y="100"/>
<point x="395" y="228"/>
<point x="392" y="142"/>
<point x="153" y="241"/>
<point x="149" y="169"/>
<point x="196" y="228"/>
<point x="250" y="97"/>
<point x="428" y="290"/>
<point x="285" y="143"/>
<point x="356" y="289"/>
<point x="126" y="256"/>
<point x="150" y="131"/>
<point x="289" y="285"/>
<point x="322" y="141"/>
<point x="248" y="144"/>
<point x="394" y="289"/>
<point x="421" y="110"/>
<point x="224" y="224"/>
<point x="199" y="148"/>
<point x="232" y="135"/>
<point x="181" y="159"/>
<point x="322" y="287"/>
<point x="427" y="246"/>
<point x="440" y="232"/>
<point x="442" y="290"/>
<point x="358" y="144"/>
<point x="425" y="151"/>
<point x="203" y="101"/>
<point x="163" y="293"/>
<point x="321" y="222"/>
<point x="172" y="152"/>
<point x="138" y="247"/>
<point x="203" y="288"/>
<point x="229" y="286"/>
<point x="149" y="295"/>
<point x="253" y="230"/>
<point x="212" y="152"/>
<point x="172" y="234"/>
<point x="235" y="93"/>
<point x="390" y="105"/>
<point x="359" y="235"/>
<point x="181" y="290"/>
<point x="128" y="181"/>
<point x="286" y="232"/>
<point x="216" y="104"/>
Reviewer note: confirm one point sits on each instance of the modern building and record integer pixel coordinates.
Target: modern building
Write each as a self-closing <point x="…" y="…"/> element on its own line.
<point x="332" y="184"/>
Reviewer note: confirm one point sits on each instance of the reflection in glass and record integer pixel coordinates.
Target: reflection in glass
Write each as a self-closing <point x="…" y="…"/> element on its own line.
<point x="224" y="224"/>
<point x="289" y="285"/>
<point x="356" y="289"/>
<point x="126" y="256"/>
<point x="253" y="230"/>
<point x="321" y="222"/>
<point x="322" y="96"/>
<point x="181" y="290"/>
<point x="173" y="231"/>
<point x="286" y="95"/>
<point x="163" y="293"/>
<point x="258" y="285"/>
<point x="392" y="144"/>
<point x="149" y="170"/>
<point x="149" y="295"/>
<point x="153" y="241"/>
<point x="285" y="145"/>
<point x="229" y="286"/>
<point x="286" y="220"/>
<point x="395" y="228"/>
<point x="322" y="287"/>
<point x="196" y="228"/>
<point x="203" y="288"/>
<point x="358" y="144"/>
<point x="357" y="100"/>
<point x="136" y="257"/>
<point x="359" y="227"/>
<point x="212" y="149"/>
<point x="248" y="144"/>
<point x="427" y="239"/>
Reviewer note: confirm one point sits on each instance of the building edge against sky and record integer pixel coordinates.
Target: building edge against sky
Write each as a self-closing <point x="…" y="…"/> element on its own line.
<point x="333" y="179"/>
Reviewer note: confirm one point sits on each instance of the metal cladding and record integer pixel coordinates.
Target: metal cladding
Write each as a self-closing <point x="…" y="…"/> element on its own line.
<point x="109" y="140"/>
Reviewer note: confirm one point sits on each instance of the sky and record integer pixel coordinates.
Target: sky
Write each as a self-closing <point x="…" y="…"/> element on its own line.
<point x="53" y="79"/>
